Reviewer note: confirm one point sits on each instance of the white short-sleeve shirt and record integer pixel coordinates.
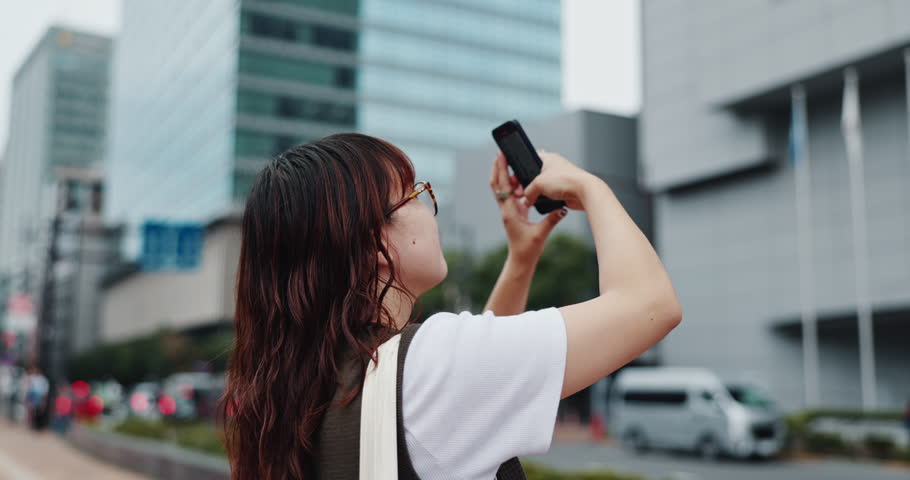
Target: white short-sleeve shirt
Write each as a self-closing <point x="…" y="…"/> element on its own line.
<point x="478" y="390"/>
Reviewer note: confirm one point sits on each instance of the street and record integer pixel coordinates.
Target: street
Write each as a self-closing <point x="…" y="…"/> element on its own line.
<point x="29" y="455"/>
<point x="678" y="466"/>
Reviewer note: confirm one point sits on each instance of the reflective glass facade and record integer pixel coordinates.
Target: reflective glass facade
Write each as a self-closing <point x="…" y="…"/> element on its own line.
<point x="80" y="68"/>
<point x="57" y="119"/>
<point x="439" y="75"/>
<point x="209" y="91"/>
<point x="430" y="76"/>
<point x="173" y="103"/>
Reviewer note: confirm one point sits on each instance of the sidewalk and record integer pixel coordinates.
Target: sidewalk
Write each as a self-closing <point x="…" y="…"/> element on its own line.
<point x="29" y="455"/>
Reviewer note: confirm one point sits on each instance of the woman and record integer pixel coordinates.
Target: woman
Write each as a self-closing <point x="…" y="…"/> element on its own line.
<point x="337" y="244"/>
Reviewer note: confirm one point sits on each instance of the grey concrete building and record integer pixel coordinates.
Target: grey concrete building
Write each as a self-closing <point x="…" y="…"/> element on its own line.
<point x="713" y="141"/>
<point x="87" y="249"/>
<point x="58" y="118"/>
<point x="135" y="303"/>
<point x="601" y="143"/>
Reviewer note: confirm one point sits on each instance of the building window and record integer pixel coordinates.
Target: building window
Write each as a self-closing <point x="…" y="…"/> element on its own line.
<point x="255" y="102"/>
<point x="309" y="109"/>
<point x="348" y="7"/>
<point x="266" y="26"/>
<point x="331" y="37"/>
<point x="307" y="71"/>
<point x="298" y="31"/>
<point x="344" y="77"/>
<point x="260" y="144"/>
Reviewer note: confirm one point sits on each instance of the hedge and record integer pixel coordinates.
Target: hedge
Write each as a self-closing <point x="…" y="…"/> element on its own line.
<point x="203" y="437"/>
<point x="877" y="446"/>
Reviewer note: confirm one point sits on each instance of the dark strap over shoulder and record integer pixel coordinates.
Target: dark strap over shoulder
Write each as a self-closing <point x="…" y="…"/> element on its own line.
<point x="405" y="467"/>
<point x="339" y="435"/>
<point x="510" y="470"/>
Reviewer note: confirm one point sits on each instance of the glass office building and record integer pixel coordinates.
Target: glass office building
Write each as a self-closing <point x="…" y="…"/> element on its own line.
<point x="172" y="112"/>
<point x="206" y="92"/>
<point x="58" y="118"/>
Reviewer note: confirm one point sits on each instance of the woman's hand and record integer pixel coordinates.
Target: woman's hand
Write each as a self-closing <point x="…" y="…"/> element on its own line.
<point x="559" y="179"/>
<point x="526" y="239"/>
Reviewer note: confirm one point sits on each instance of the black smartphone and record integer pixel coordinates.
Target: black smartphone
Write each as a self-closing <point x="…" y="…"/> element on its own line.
<point x="523" y="159"/>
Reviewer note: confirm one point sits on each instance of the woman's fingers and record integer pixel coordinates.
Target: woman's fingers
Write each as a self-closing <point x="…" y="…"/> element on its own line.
<point x="494" y="173"/>
<point x="550" y="221"/>
<point x="500" y="180"/>
<point x="519" y="191"/>
<point x="514" y="184"/>
<point x="502" y="173"/>
<point x="499" y="174"/>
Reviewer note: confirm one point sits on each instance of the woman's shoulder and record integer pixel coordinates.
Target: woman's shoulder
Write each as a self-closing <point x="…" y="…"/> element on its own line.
<point x="444" y="317"/>
<point x="443" y="331"/>
<point x="442" y="320"/>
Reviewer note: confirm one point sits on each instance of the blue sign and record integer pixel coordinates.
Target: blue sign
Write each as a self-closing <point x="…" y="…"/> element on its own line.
<point x="171" y="246"/>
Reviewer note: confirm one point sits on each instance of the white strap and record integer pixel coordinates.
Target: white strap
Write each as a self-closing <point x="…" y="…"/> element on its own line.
<point x="378" y="425"/>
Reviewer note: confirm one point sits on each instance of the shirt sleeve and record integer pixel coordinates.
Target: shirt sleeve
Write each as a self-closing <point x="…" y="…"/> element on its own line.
<point x="478" y="390"/>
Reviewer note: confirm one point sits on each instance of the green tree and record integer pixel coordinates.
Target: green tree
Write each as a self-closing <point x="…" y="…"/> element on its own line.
<point x="566" y="274"/>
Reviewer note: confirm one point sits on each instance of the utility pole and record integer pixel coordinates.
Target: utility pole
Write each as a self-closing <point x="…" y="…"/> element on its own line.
<point x="47" y="325"/>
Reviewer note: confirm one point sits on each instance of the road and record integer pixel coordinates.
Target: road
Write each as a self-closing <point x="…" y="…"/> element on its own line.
<point x="666" y="466"/>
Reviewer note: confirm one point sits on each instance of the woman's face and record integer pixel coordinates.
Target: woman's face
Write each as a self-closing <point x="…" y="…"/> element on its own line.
<point x="413" y="237"/>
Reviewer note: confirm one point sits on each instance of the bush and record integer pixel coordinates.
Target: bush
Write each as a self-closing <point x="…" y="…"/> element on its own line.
<point x="801" y="436"/>
<point x="854" y="414"/>
<point x="879" y="446"/>
<point x="143" y="428"/>
<point x="826" y="443"/>
<point x="903" y="455"/>
<point x="537" y="472"/>
<point x="201" y="436"/>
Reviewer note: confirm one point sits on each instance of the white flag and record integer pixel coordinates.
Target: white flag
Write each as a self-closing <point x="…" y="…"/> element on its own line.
<point x="850" y="119"/>
<point x="852" y="128"/>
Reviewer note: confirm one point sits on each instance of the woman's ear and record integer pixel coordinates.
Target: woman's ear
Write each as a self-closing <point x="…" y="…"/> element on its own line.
<point x="383" y="260"/>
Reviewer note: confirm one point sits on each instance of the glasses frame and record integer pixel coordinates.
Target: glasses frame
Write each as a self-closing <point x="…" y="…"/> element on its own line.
<point x="419" y="188"/>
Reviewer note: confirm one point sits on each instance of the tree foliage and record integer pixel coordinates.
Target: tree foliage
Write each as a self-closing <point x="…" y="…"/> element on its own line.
<point x="566" y="274"/>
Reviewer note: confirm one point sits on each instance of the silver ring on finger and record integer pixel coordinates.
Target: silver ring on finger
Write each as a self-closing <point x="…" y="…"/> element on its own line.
<point x="502" y="195"/>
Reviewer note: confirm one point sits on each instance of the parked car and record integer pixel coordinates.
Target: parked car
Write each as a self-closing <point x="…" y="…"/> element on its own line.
<point x="692" y="409"/>
<point x="111" y="394"/>
<point x="191" y="394"/>
<point x="142" y="400"/>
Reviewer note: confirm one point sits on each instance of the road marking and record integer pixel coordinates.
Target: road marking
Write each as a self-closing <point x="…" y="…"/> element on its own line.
<point x="14" y="471"/>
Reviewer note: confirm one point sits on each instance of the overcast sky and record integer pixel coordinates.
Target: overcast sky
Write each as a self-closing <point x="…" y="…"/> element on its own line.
<point x="600" y="46"/>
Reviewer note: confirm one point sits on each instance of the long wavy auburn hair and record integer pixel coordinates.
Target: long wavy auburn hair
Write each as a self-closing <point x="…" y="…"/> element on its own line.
<point x="308" y="290"/>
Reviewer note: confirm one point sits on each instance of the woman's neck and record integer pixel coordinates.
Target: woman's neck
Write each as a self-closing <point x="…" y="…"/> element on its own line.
<point x="399" y="307"/>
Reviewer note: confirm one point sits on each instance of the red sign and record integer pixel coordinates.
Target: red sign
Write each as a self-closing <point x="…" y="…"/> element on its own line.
<point x="20" y="303"/>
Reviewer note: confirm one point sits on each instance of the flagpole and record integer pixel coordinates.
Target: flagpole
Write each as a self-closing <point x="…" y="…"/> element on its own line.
<point x="852" y="130"/>
<point x="799" y="151"/>
<point x="907" y="93"/>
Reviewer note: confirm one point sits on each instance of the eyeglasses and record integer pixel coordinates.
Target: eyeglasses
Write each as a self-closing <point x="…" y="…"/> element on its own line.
<point x="419" y="188"/>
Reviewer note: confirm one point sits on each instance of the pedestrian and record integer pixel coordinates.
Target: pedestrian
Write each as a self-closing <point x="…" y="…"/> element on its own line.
<point x="7" y="389"/>
<point x="63" y="409"/>
<point x="36" y="388"/>
<point x="337" y="243"/>
<point x="907" y="421"/>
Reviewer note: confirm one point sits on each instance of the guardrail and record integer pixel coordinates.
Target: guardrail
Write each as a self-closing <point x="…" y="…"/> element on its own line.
<point x="156" y="459"/>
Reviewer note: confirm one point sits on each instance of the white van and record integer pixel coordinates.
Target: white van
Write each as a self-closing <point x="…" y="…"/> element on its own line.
<point x="691" y="409"/>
